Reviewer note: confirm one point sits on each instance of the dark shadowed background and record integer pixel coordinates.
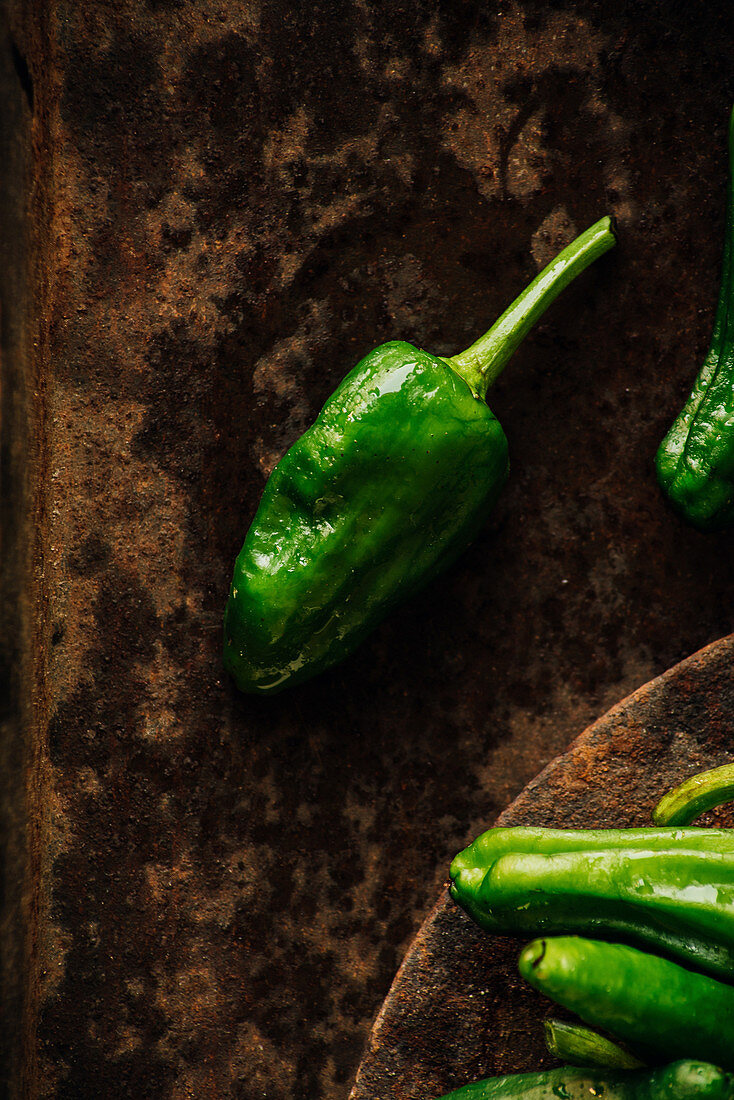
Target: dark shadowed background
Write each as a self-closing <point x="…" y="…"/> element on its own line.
<point x="211" y="211"/>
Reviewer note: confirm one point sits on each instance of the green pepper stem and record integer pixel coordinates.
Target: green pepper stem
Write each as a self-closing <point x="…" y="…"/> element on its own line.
<point x="482" y="363"/>
<point x="580" y="1046"/>
<point x="702" y="792"/>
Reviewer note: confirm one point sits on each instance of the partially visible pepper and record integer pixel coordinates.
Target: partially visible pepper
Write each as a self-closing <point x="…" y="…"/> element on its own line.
<point x="659" y="1009"/>
<point x="679" y="1081"/>
<point x="696" y="796"/>
<point x="390" y="484"/>
<point x="695" y="461"/>
<point x="578" y="1046"/>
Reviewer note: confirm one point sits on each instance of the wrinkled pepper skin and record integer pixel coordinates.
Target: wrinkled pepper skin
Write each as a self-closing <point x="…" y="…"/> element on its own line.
<point x="658" y="1009"/>
<point x="668" y="890"/>
<point x="394" y="479"/>
<point x="678" y="1081"/>
<point x="695" y="461"/>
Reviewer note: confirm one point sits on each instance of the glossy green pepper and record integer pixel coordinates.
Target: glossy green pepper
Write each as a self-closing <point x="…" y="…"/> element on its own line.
<point x="678" y="1081"/>
<point x="695" y="461"/>
<point x="392" y="481"/>
<point x="656" y="1007"/>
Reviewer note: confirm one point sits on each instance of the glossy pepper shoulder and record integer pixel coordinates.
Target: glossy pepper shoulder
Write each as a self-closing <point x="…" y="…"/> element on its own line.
<point x="695" y="461"/>
<point x="392" y="481"/>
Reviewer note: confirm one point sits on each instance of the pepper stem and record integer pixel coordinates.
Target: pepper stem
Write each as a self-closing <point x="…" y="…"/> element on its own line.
<point x="482" y="363"/>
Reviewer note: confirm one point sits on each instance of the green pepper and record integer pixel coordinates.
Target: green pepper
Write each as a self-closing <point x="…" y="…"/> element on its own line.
<point x="656" y="1007"/>
<point x="702" y="792"/>
<point x="695" y="461"/>
<point x="671" y="890"/>
<point x="581" y="1047"/>
<point x="678" y="1081"/>
<point x="392" y="481"/>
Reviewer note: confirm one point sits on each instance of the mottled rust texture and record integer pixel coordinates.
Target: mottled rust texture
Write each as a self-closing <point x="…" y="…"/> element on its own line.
<point x="247" y="197"/>
<point x="458" y="1010"/>
<point x="14" y="538"/>
<point x="26" y="269"/>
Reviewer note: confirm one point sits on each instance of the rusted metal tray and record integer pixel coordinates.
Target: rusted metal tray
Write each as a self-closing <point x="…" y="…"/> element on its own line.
<point x="210" y="210"/>
<point x="457" y="1010"/>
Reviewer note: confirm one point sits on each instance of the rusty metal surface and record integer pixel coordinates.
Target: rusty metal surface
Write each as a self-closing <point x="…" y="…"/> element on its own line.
<point x="24" y="272"/>
<point x="13" y="507"/>
<point x="244" y="198"/>
<point x="458" y="1010"/>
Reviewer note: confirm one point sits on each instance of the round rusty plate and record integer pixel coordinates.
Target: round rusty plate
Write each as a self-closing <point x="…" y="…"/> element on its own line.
<point x="457" y="1010"/>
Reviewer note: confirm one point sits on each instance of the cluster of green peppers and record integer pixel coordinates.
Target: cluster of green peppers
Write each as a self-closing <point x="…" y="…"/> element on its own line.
<point x="657" y="971"/>
<point x="392" y="481"/>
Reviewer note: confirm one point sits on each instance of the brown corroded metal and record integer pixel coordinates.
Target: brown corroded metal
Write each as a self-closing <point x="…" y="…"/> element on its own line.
<point x="458" y="1010"/>
<point x="232" y="201"/>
